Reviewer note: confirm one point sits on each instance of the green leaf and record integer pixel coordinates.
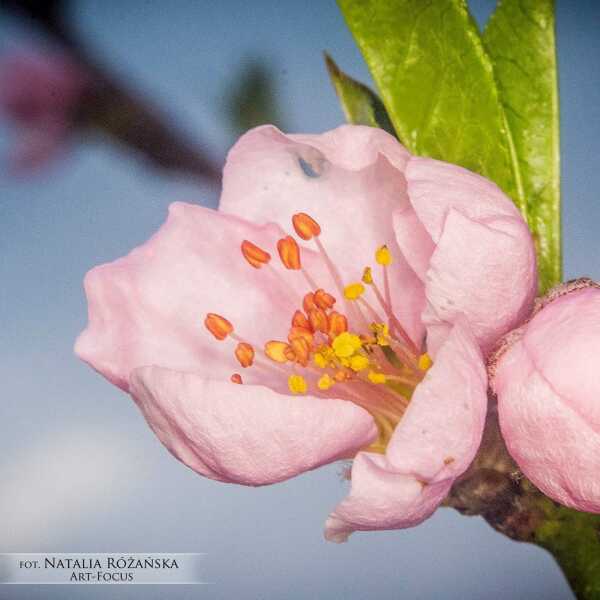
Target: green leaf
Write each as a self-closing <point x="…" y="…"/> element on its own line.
<point x="520" y="40"/>
<point x="251" y="97"/>
<point x="360" y="104"/>
<point x="437" y="84"/>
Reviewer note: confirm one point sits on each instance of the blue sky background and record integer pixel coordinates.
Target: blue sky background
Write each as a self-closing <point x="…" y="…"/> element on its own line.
<point x="80" y="470"/>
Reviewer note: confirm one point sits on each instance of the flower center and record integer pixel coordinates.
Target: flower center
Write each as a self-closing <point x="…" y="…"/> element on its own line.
<point x="374" y="363"/>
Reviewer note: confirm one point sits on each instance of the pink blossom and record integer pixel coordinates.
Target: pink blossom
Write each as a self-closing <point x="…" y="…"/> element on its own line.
<point x="327" y="336"/>
<point x="40" y="92"/>
<point x="546" y="377"/>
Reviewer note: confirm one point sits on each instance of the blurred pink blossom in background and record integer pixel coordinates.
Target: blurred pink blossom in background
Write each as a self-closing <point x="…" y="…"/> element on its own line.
<point x="40" y="92"/>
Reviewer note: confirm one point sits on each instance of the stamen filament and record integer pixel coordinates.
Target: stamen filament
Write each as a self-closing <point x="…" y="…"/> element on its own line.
<point x="394" y="322"/>
<point x="311" y="282"/>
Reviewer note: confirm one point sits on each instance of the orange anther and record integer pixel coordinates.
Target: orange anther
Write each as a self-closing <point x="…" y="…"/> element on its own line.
<point x="306" y="227"/>
<point x="236" y="378"/>
<point x="301" y="350"/>
<point x="338" y="323"/>
<point x="318" y="320"/>
<point x="278" y="351"/>
<point x="301" y="332"/>
<point x="219" y="326"/>
<point x="256" y="256"/>
<point x="289" y="253"/>
<point x="323" y="299"/>
<point x="308" y="303"/>
<point x="299" y="320"/>
<point x="341" y="376"/>
<point x="245" y="354"/>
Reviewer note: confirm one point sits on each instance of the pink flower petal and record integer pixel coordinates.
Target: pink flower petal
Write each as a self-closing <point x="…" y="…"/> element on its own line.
<point x="349" y="179"/>
<point x="383" y="498"/>
<point x="433" y="444"/>
<point x="149" y="307"/>
<point x="243" y="433"/>
<point x="415" y="243"/>
<point x="435" y="187"/>
<point x="484" y="270"/>
<point x="470" y="245"/>
<point x="555" y="446"/>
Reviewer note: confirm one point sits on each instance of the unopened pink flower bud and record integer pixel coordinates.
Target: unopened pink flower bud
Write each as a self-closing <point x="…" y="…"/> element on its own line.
<point x="547" y="380"/>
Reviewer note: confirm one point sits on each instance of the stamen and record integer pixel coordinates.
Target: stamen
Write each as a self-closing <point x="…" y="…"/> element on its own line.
<point x="330" y="266"/>
<point x="311" y="282"/>
<point x="338" y="323"/>
<point x="219" y="326"/>
<point x="367" y="276"/>
<point x="354" y="291"/>
<point x="257" y="257"/>
<point x="301" y="350"/>
<point x="325" y="382"/>
<point x="359" y="363"/>
<point x="340" y="376"/>
<point x="425" y="362"/>
<point x="278" y="351"/>
<point x="383" y="256"/>
<point x="346" y="344"/>
<point x="306" y="227"/>
<point x="323" y="300"/>
<point x="300" y="320"/>
<point x="297" y="384"/>
<point x="308" y="302"/>
<point x="289" y="253"/>
<point x="318" y="320"/>
<point x="236" y="378"/>
<point x="245" y="354"/>
<point x="394" y="322"/>
<point x="301" y="332"/>
<point x="377" y="378"/>
<point x="324" y="356"/>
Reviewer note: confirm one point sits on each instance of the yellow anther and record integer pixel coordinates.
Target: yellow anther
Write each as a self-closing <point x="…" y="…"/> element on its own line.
<point x="277" y="351"/>
<point x="382" y="333"/>
<point x="297" y="384"/>
<point x="325" y="382"/>
<point x="354" y="291"/>
<point x="320" y="360"/>
<point x="383" y="256"/>
<point x="367" y="276"/>
<point x="346" y="344"/>
<point x="374" y="377"/>
<point x="425" y="362"/>
<point x="359" y="362"/>
<point x="323" y="356"/>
